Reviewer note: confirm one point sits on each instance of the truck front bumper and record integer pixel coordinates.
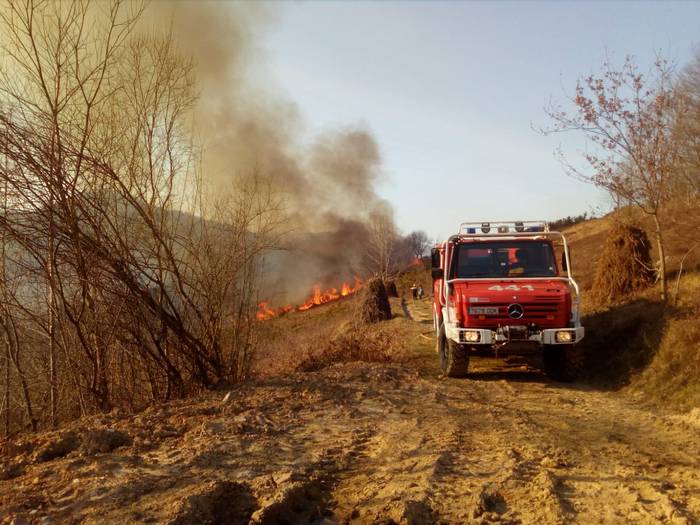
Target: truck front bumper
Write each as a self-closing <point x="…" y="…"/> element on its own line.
<point x="548" y="336"/>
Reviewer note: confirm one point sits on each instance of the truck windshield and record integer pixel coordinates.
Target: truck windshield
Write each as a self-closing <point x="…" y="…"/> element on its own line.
<point x="503" y="259"/>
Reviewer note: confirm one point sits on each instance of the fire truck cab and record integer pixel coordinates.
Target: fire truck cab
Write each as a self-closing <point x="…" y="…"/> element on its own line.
<point x="498" y="289"/>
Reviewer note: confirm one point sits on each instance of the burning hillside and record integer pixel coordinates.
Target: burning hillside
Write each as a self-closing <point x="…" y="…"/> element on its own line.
<point x="317" y="297"/>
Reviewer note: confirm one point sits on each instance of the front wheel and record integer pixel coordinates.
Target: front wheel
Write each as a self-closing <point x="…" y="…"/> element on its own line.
<point x="454" y="358"/>
<point x="563" y="362"/>
<point x="437" y="323"/>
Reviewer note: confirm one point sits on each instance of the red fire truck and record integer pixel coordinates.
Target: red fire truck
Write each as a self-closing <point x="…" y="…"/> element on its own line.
<point x="498" y="289"/>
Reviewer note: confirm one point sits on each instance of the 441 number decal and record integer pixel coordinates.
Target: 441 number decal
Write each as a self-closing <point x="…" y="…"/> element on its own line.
<point x="512" y="287"/>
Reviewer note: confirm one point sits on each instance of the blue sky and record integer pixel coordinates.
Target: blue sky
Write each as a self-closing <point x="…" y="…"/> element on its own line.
<point x="451" y="92"/>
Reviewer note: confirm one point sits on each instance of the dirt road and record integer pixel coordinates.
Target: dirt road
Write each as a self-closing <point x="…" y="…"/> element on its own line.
<point x="375" y="443"/>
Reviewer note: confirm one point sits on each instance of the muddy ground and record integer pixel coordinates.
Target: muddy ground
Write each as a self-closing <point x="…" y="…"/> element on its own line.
<point x="368" y="443"/>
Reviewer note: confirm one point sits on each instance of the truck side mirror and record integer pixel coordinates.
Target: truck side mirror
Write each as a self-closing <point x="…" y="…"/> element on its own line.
<point x="564" y="267"/>
<point x="437" y="273"/>
<point x="435" y="258"/>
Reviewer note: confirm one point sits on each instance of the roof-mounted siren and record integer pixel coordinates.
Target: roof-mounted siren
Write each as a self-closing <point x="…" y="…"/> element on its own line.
<point x="539" y="228"/>
<point x="485" y="228"/>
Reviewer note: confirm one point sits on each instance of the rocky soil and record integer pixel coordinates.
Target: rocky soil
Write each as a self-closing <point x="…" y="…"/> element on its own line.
<point x="367" y="443"/>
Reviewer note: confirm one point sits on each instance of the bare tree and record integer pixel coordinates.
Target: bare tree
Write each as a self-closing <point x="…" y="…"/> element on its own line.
<point x="142" y="285"/>
<point x="629" y="119"/>
<point x="687" y="130"/>
<point x="418" y="242"/>
<point x="382" y="237"/>
<point x="686" y="183"/>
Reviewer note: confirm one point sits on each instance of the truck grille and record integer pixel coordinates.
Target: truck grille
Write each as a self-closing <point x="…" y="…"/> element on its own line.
<point x="536" y="312"/>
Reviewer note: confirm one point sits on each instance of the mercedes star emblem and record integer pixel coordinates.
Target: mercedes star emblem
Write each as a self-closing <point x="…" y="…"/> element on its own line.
<point x="516" y="311"/>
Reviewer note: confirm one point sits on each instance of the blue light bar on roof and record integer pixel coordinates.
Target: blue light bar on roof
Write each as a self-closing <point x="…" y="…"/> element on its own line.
<point x="471" y="231"/>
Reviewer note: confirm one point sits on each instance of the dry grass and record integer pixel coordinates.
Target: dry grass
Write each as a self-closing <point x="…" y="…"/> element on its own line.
<point x="357" y="342"/>
<point x="287" y="341"/>
<point x="673" y="374"/>
<point x="321" y="336"/>
<point x="651" y="349"/>
<point x="636" y="342"/>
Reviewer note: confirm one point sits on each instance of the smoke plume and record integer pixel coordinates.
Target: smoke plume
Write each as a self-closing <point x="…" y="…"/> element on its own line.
<point x="244" y="125"/>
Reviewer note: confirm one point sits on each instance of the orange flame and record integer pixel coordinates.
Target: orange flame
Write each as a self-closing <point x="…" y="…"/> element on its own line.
<point x="316" y="298"/>
<point x="264" y="311"/>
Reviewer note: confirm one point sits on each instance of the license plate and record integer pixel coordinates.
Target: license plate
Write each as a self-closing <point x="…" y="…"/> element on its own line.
<point x="483" y="310"/>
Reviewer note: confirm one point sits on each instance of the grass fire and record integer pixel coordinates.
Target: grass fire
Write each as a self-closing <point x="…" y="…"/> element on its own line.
<point x="317" y="297"/>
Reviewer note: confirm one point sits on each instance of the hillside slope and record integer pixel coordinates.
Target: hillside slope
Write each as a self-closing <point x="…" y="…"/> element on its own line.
<point x="367" y="443"/>
<point x="651" y="349"/>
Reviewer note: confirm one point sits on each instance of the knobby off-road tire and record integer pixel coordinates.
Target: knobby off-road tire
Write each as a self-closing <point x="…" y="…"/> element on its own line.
<point x="564" y="363"/>
<point x="454" y="358"/>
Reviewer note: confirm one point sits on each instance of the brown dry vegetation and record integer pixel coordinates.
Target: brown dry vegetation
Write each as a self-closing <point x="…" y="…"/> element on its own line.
<point x="635" y="341"/>
<point x="651" y="350"/>
<point x="671" y="376"/>
<point x="359" y="442"/>
<point x="359" y="342"/>
<point x="587" y="239"/>
<point x="286" y="341"/>
<point x="135" y="237"/>
<point x="320" y="337"/>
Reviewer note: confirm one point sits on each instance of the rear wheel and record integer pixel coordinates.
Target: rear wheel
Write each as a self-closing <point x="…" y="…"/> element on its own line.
<point x="454" y="358"/>
<point x="563" y="362"/>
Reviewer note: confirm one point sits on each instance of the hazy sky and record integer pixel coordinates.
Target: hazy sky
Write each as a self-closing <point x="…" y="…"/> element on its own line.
<point x="451" y="92"/>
